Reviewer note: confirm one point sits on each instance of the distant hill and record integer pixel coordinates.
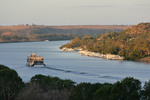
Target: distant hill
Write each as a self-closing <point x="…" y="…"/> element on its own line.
<point x="139" y="29"/>
<point x="39" y="32"/>
<point x="122" y="27"/>
<point x="132" y="43"/>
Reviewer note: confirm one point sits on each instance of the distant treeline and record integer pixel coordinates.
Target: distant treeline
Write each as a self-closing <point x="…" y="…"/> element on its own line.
<point x="132" y="44"/>
<point x="40" y="33"/>
<point x="36" y="37"/>
<point x="43" y="87"/>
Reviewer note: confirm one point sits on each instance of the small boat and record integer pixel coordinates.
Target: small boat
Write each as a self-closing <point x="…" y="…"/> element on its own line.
<point x="33" y="60"/>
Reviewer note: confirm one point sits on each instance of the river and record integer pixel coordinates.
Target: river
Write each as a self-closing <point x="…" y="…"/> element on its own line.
<point x="69" y="65"/>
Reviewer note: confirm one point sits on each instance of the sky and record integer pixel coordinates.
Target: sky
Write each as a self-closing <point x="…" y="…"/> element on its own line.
<point x="74" y="12"/>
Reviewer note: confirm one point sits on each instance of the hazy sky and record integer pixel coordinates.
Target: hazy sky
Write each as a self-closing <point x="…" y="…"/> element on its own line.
<point x="74" y="12"/>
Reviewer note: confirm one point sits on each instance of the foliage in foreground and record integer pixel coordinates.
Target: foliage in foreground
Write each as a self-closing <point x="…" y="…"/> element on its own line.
<point x="48" y="82"/>
<point x="53" y="88"/>
<point x="35" y="92"/>
<point x="10" y="83"/>
<point x="128" y="89"/>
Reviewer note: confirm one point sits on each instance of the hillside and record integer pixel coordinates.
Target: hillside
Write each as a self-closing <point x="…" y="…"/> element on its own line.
<point x="40" y="33"/>
<point x="139" y="29"/>
<point x="132" y="43"/>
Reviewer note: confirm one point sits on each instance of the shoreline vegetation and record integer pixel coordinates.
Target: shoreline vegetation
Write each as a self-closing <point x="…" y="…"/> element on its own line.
<point x="41" y="87"/>
<point x="130" y="44"/>
<point x="34" y="41"/>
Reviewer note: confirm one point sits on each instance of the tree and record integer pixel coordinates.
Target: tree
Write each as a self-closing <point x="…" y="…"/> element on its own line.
<point x="146" y="91"/>
<point x="128" y="89"/>
<point x="48" y="82"/>
<point x="10" y="83"/>
<point x="84" y="91"/>
<point x="104" y="92"/>
<point x="35" y="92"/>
<point x="81" y="92"/>
<point x="43" y="87"/>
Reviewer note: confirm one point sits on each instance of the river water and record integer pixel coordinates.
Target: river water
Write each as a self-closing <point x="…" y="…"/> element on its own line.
<point x="69" y="65"/>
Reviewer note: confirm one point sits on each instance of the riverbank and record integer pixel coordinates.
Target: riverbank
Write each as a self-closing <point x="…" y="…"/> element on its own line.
<point x="98" y="55"/>
<point x="71" y="49"/>
<point x="147" y="60"/>
<point x="94" y="54"/>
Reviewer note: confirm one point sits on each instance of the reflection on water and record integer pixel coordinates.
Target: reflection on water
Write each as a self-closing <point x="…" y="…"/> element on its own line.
<point x="69" y="65"/>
